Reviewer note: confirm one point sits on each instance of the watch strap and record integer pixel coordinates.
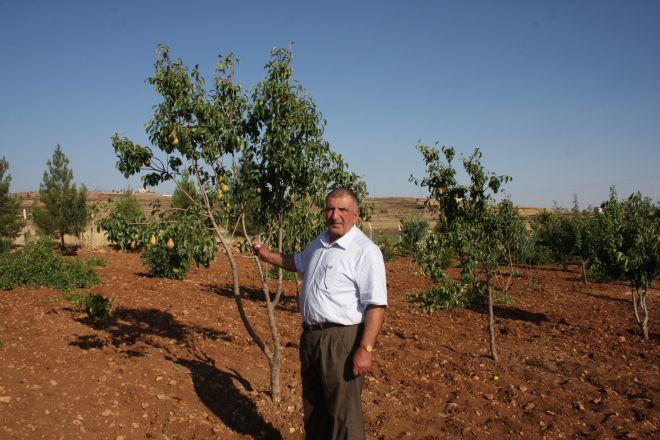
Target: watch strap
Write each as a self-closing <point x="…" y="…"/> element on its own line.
<point x="367" y="348"/>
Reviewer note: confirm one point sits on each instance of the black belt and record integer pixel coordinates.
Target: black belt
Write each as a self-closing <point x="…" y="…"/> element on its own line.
<point x="320" y="325"/>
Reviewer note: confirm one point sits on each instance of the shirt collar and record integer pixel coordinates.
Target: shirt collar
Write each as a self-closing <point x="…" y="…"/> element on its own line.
<point x="343" y="242"/>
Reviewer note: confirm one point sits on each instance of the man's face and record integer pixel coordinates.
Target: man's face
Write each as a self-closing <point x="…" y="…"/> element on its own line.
<point x="341" y="213"/>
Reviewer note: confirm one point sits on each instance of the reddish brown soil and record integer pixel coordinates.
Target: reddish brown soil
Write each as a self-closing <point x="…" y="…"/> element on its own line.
<point x="174" y="361"/>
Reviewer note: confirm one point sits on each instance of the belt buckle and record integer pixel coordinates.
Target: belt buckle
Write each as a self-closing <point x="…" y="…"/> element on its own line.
<point x="316" y="326"/>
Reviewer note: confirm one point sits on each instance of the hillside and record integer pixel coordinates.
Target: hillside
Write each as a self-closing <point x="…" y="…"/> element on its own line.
<point x="386" y="217"/>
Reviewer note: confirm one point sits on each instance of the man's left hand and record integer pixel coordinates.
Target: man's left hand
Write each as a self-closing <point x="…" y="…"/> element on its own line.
<point x="362" y="361"/>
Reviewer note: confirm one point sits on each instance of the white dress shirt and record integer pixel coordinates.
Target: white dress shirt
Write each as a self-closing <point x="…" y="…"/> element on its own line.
<point x="341" y="279"/>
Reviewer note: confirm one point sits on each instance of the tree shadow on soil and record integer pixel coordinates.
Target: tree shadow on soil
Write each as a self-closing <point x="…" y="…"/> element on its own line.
<point x="634" y="332"/>
<point x="218" y="392"/>
<point x="287" y="303"/>
<point x="134" y="331"/>
<point x="69" y="250"/>
<point x="513" y="313"/>
<point x="138" y="328"/>
<point x="608" y="298"/>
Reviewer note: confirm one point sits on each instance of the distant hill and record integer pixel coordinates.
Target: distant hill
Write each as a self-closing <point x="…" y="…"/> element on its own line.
<point x="386" y="216"/>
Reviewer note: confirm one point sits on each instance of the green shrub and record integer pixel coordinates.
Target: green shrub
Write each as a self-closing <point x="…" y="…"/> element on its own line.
<point x="435" y="255"/>
<point x="96" y="261"/>
<point x="5" y="246"/>
<point x="413" y="231"/>
<point x="555" y="232"/>
<point x="445" y="296"/>
<point x="95" y="305"/>
<point x="191" y="240"/>
<point x="37" y="265"/>
<point x="450" y="295"/>
<point x="387" y="245"/>
<point x="124" y="226"/>
<point x="165" y="263"/>
<point x="286" y="275"/>
<point x="532" y="253"/>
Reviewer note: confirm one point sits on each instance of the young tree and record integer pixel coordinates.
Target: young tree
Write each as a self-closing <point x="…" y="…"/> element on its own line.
<point x="124" y="224"/>
<point x="64" y="209"/>
<point x="292" y="168"/>
<point x="10" y="222"/>
<point x="583" y="224"/>
<point x="511" y="235"/>
<point x="467" y="218"/>
<point x="607" y="228"/>
<point x="639" y="253"/>
<point x="556" y="232"/>
<point x="206" y="133"/>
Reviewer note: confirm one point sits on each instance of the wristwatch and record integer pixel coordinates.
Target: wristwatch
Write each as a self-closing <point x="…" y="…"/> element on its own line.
<point x="367" y="348"/>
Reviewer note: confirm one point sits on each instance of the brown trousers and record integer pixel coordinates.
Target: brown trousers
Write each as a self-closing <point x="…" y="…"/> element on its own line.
<point x="331" y="394"/>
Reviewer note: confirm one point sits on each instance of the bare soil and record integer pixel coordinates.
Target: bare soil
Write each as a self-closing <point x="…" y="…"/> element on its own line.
<point x="174" y="362"/>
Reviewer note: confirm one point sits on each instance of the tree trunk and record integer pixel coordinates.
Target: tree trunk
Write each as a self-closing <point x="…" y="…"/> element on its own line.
<point x="61" y="242"/>
<point x="274" y="357"/>
<point x="234" y="273"/>
<point x="280" y="274"/>
<point x="491" y="319"/>
<point x="645" y="322"/>
<point x="584" y="272"/>
<point x="639" y="304"/>
<point x="274" y="365"/>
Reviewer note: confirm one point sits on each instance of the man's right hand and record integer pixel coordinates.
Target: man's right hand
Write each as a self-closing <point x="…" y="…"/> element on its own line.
<point x="260" y="249"/>
<point x="264" y="253"/>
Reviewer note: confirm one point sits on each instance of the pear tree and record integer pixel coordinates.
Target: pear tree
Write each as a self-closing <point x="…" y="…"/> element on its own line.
<point x="468" y="223"/>
<point x="236" y="150"/>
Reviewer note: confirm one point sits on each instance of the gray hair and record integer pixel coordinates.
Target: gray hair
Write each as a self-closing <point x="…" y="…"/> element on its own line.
<point x="340" y="192"/>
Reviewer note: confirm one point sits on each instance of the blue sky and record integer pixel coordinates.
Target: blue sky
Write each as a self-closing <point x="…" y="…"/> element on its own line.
<point x="564" y="96"/>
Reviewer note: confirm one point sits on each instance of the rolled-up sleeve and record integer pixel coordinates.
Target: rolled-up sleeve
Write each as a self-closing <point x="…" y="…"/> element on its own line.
<point x="299" y="262"/>
<point x="371" y="280"/>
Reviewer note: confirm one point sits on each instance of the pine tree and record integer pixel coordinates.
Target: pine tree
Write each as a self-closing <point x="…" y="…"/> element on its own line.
<point x="10" y="222"/>
<point x="185" y="194"/>
<point x="64" y="209"/>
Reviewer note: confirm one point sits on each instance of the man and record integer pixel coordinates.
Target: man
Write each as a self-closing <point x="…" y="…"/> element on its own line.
<point x="343" y="301"/>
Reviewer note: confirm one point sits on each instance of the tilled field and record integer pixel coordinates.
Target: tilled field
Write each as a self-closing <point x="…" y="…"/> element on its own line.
<point x="174" y="361"/>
